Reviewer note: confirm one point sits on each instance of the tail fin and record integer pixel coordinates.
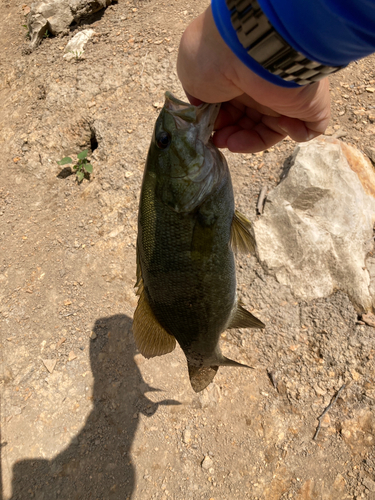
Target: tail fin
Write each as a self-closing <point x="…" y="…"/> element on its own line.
<point x="201" y="377"/>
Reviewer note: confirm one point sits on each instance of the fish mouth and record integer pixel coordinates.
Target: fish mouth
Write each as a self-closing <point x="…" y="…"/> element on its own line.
<point x="185" y="114"/>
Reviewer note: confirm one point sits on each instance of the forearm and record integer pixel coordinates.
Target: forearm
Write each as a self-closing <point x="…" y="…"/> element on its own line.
<point x="330" y="32"/>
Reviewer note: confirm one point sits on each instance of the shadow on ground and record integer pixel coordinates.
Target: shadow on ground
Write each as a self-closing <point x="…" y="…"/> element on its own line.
<point x="97" y="463"/>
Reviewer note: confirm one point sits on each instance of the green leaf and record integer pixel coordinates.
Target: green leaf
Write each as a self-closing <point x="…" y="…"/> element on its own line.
<point x="88" y="168"/>
<point x="82" y="154"/>
<point x="65" y="161"/>
<point x="76" y="167"/>
<point x="80" y="176"/>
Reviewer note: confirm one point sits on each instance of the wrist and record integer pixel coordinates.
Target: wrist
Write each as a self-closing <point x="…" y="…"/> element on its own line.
<point x="205" y="62"/>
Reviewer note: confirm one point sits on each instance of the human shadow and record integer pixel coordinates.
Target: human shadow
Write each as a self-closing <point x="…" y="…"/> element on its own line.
<point x="97" y="463"/>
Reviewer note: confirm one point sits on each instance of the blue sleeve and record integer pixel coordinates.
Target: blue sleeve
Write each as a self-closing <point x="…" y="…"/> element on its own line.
<point x="331" y="32"/>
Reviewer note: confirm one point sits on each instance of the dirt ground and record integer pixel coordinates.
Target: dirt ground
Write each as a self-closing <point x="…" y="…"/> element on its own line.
<point x="83" y="415"/>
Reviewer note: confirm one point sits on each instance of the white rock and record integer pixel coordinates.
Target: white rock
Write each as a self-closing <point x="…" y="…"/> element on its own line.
<point x="317" y="226"/>
<point x="76" y="45"/>
<point x="207" y="463"/>
<point x="57" y="15"/>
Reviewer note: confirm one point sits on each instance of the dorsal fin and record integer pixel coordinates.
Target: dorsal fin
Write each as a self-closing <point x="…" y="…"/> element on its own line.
<point x="150" y="337"/>
<point x="241" y="239"/>
<point x="244" y="319"/>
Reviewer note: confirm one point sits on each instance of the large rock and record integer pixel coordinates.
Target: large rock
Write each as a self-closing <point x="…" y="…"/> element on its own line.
<point x="318" y="223"/>
<point x="57" y="15"/>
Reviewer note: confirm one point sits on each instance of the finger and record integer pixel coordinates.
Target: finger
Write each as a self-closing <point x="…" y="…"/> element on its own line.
<point x="193" y="100"/>
<point x="235" y="113"/>
<point x="248" y="123"/>
<point x="251" y="104"/>
<point x="220" y="137"/>
<point x="296" y="129"/>
<point x="247" y="141"/>
<point x="228" y="115"/>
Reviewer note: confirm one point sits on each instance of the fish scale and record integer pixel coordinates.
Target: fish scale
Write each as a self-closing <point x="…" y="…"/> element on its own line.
<point x="191" y="297"/>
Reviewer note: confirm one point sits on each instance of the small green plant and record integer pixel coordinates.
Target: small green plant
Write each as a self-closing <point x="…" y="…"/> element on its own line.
<point x="46" y="34"/>
<point x="77" y="54"/>
<point x="81" y="167"/>
<point x="27" y="32"/>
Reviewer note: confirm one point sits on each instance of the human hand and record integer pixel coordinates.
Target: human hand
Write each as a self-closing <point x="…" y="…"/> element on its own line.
<point x="255" y="114"/>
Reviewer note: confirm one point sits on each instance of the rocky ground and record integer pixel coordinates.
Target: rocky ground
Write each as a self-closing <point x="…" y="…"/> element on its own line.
<point x="83" y="415"/>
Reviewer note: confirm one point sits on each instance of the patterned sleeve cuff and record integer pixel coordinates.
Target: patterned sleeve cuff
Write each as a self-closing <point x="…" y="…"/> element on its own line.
<point x="248" y="32"/>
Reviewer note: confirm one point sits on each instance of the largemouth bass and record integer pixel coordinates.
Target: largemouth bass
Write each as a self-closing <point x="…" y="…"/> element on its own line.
<point x="187" y="232"/>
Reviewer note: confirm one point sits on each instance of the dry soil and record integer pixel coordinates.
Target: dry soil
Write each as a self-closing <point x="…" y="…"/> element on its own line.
<point x="83" y="415"/>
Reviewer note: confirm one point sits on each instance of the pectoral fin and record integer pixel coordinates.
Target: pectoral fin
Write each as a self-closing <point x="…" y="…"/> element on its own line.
<point x="241" y="239"/>
<point x="150" y="337"/>
<point x="244" y="319"/>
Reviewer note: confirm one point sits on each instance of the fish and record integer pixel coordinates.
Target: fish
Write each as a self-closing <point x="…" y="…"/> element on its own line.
<point x="188" y="232"/>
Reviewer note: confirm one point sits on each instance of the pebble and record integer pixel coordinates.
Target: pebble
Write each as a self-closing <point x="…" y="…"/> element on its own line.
<point x="369" y="483"/>
<point x="60" y="342"/>
<point x="50" y="364"/>
<point x="186" y="437"/>
<point x="71" y="356"/>
<point x="207" y="463"/>
<point x="319" y="390"/>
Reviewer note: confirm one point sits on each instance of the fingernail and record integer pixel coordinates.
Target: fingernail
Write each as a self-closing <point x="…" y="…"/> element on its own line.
<point x="284" y="130"/>
<point x="311" y="135"/>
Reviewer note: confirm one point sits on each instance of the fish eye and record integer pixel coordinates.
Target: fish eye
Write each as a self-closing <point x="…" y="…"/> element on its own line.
<point x="163" y="140"/>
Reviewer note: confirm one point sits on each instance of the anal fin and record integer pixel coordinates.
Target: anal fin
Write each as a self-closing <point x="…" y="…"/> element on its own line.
<point x="241" y="238"/>
<point x="150" y="337"/>
<point x="244" y="319"/>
